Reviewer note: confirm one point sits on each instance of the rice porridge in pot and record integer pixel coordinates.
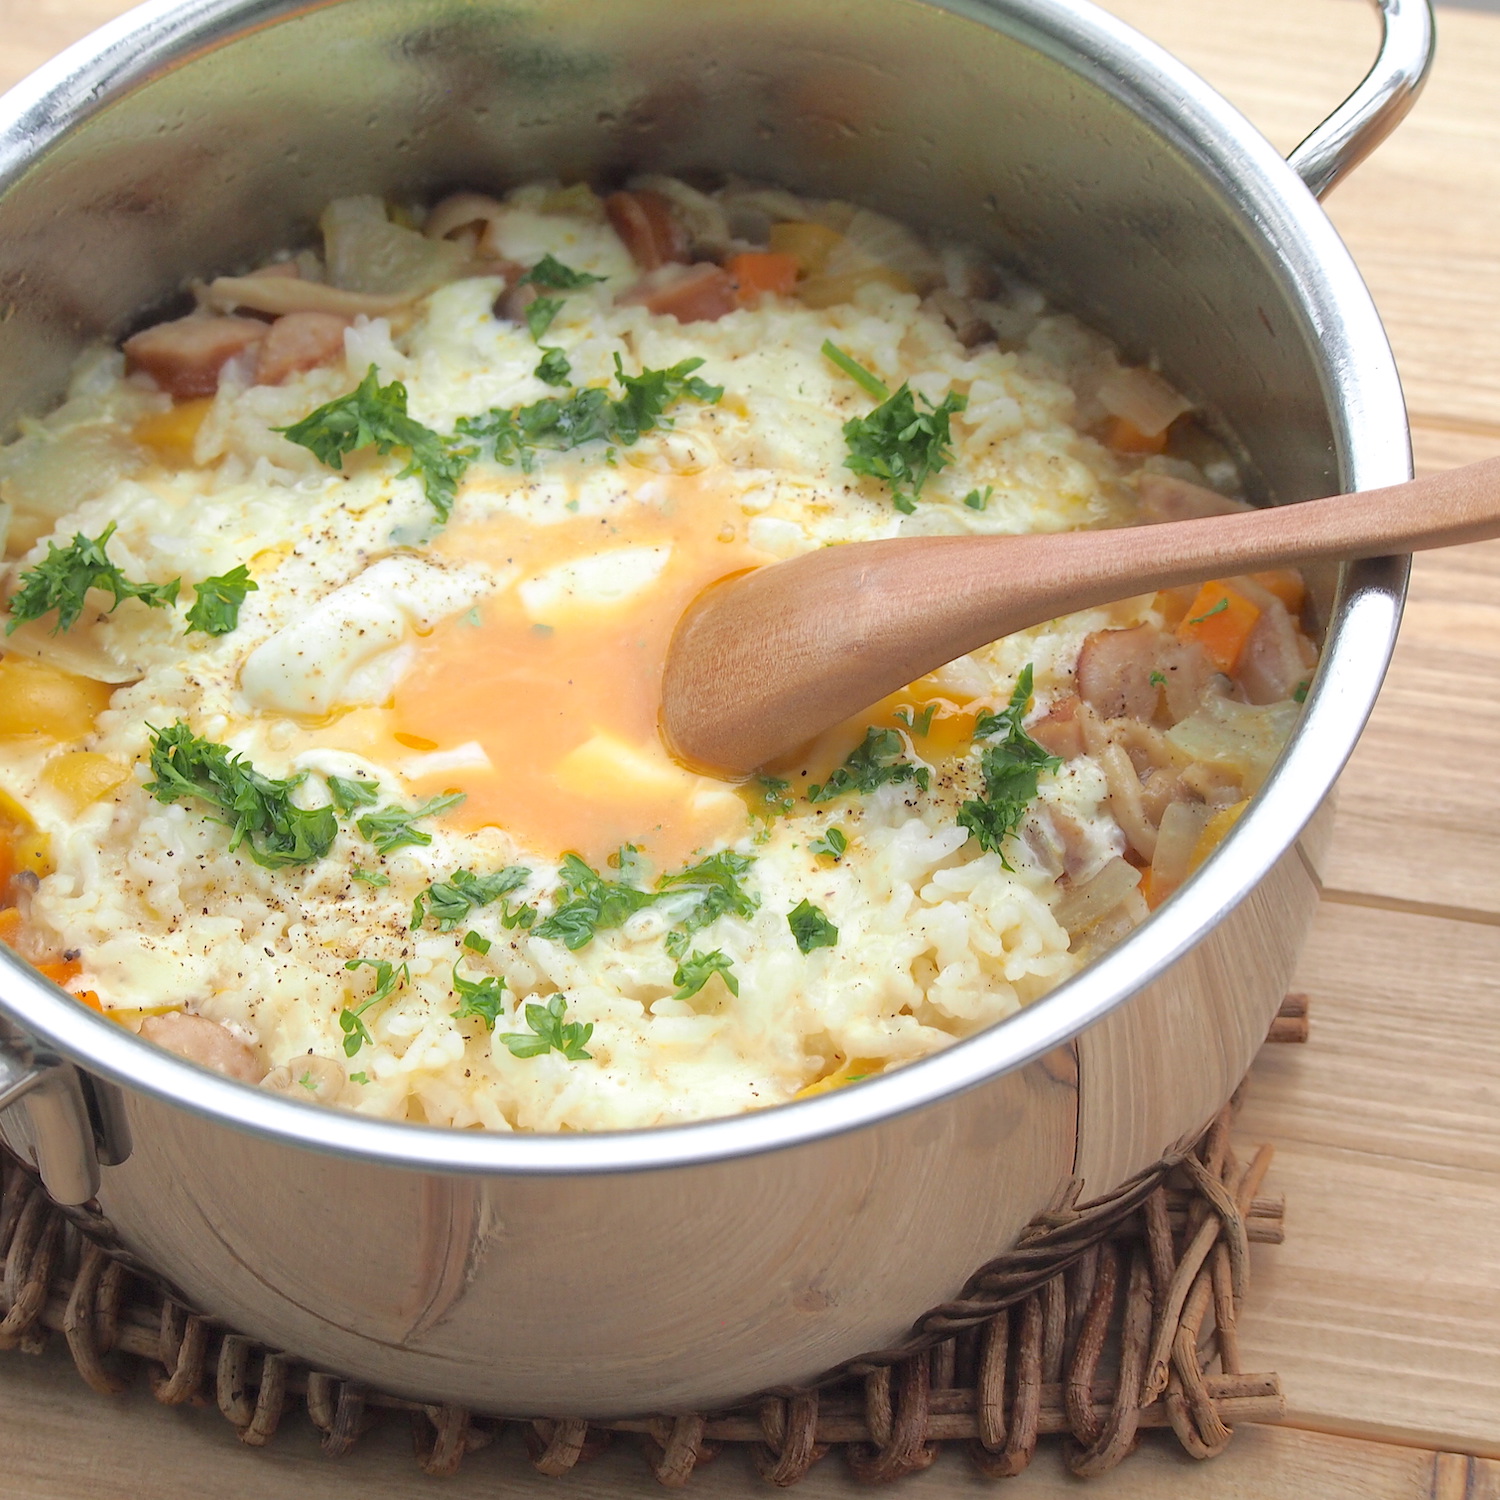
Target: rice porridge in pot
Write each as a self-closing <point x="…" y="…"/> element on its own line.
<point x="328" y="744"/>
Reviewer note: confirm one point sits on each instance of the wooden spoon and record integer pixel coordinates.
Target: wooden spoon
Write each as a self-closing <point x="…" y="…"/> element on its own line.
<point x="763" y="662"/>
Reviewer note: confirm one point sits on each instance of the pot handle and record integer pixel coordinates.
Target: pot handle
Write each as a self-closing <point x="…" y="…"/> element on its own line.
<point x="57" y="1124"/>
<point x="1380" y="102"/>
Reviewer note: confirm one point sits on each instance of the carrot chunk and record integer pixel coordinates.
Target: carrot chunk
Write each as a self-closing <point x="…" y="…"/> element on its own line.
<point x="1287" y="585"/>
<point x="1125" y="437"/>
<point x="1220" y="620"/>
<point x="758" y="272"/>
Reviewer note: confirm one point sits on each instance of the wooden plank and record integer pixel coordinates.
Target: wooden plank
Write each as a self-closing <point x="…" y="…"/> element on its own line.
<point x="1379" y="1312"/>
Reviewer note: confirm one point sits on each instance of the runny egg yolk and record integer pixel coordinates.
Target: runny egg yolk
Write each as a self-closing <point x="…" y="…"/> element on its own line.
<point x="557" y="678"/>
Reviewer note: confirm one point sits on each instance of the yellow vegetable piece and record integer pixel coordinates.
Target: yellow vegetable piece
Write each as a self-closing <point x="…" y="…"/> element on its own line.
<point x="83" y="776"/>
<point x="809" y="245"/>
<point x="33" y="851"/>
<point x="1215" y="831"/>
<point x="12" y="811"/>
<point x="172" y="434"/>
<point x="830" y="291"/>
<point x="851" y="1071"/>
<point x="38" y="699"/>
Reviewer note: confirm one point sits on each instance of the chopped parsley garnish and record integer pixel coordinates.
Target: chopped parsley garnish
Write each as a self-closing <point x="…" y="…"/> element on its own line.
<point x="374" y="415"/>
<point x="698" y="968"/>
<point x="551" y="272"/>
<point x="258" y="810"/>
<point x="554" y="368"/>
<point x="1158" y="679"/>
<point x="477" y="943"/>
<point x="359" y="1078"/>
<point x="896" y="442"/>
<point x="349" y="793"/>
<point x="1299" y="693"/>
<point x="369" y="877"/>
<point x="453" y="900"/>
<point x="1012" y="768"/>
<point x="811" y="928"/>
<point x="388" y="979"/>
<point x="216" y="601"/>
<point x="540" y="314"/>
<point x="977" y="501"/>
<point x="588" y="903"/>
<point x="1208" y="614"/>
<point x="919" y="723"/>
<point x="479" y="999"/>
<point x="65" y="575"/>
<point x="772" y="802"/>
<point x="561" y="423"/>
<point x="833" y="844"/>
<point x="391" y="827"/>
<point x="549" y="1032"/>
<point x="877" y="759"/>
<point x="715" y="881"/>
<point x="869" y="383"/>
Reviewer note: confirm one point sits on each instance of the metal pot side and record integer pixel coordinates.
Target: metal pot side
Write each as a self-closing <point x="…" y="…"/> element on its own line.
<point x="595" y="1275"/>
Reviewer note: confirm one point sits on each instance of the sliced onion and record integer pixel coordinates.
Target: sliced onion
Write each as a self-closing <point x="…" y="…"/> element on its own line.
<point x="1181" y="827"/>
<point x="463" y="211"/>
<point x="367" y="253"/>
<point x="279" y="295"/>
<point x="1142" y="398"/>
<point x="44" y="476"/>
<point x="1085" y="904"/>
<point x="703" y="219"/>
<point x="871" y="239"/>
<point x="1239" y="737"/>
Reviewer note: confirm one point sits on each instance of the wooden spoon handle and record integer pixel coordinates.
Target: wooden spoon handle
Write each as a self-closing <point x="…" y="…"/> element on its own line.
<point x="764" y="662"/>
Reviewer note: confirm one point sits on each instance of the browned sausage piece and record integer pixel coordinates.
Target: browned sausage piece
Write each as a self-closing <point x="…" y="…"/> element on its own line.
<point x="185" y="357"/>
<point x="1058" y="731"/>
<point x="646" y="223"/>
<point x="299" y="341"/>
<point x="1114" y="672"/>
<point x="204" y="1042"/>
<point x="697" y="294"/>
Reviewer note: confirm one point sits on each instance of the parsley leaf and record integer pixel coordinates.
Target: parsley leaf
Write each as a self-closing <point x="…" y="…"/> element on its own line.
<point x="476" y="943"/>
<point x="373" y="415"/>
<point x="772" y="802"/>
<point x="919" y="723"/>
<point x="63" y="578"/>
<point x="452" y="900"/>
<point x="1208" y="614"/>
<point x="554" y="368"/>
<point x="479" y="999"/>
<point x="1012" y="769"/>
<point x="390" y="828"/>
<point x="369" y="877"/>
<point x="716" y="883"/>
<point x="551" y="272"/>
<point x="216" y="601"/>
<point x="1299" y="695"/>
<point x="833" y="844"/>
<point x="588" y="903"/>
<point x="870" y="384"/>
<point x="540" y="314"/>
<point x="388" y="979"/>
<point x="255" y="808"/>
<point x="348" y="794"/>
<point x="548" y="1033"/>
<point x="698" y="968"/>
<point x="560" y="424"/>
<point x="977" y="501"/>
<point x="877" y="759"/>
<point x="811" y="928"/>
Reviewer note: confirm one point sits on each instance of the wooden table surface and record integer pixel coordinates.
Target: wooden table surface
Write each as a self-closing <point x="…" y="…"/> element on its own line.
<point x="1382" y="1310"/>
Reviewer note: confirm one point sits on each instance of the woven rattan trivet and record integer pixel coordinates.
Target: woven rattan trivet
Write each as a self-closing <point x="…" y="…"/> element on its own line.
<point x="1107" y="1319"/>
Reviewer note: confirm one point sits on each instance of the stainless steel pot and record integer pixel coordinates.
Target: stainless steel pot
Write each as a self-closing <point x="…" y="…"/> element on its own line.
<point x="593" y="1275"/>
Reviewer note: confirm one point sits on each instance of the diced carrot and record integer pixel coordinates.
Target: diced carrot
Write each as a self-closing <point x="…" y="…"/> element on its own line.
<point x="88" y="998"/>
<point x="1215" y="831"/>
<point x="59" y="970"/>
<point x="1220" y="620"/>
<point x="808" y="244"/>
<point x="10" y="926"/>
<point x="1286" y="584"/>
<point x="171" y="434"/>
<point x="1147" y="889"/>
<point x="756" y="273"/>
<point x="1125" y="437"/>
<point x="7" y="858"/>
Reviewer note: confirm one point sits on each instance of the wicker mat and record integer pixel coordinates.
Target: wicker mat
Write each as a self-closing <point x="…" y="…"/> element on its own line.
<point x="1107" y="1319"/>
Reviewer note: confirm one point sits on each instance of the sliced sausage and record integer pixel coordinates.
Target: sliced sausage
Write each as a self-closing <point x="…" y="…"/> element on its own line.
<point x="297" y="342"/>
<point x="645" y="222"/>
<point x="204" y="1042"/>
<point x="1114" y="672"/>
<point x="185" y="357"/>
<point x="695" y="294"/>
<point x="1058" y="731"/>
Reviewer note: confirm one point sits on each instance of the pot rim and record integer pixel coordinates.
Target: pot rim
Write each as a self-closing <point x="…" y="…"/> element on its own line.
<point x="1373" y="446"/>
